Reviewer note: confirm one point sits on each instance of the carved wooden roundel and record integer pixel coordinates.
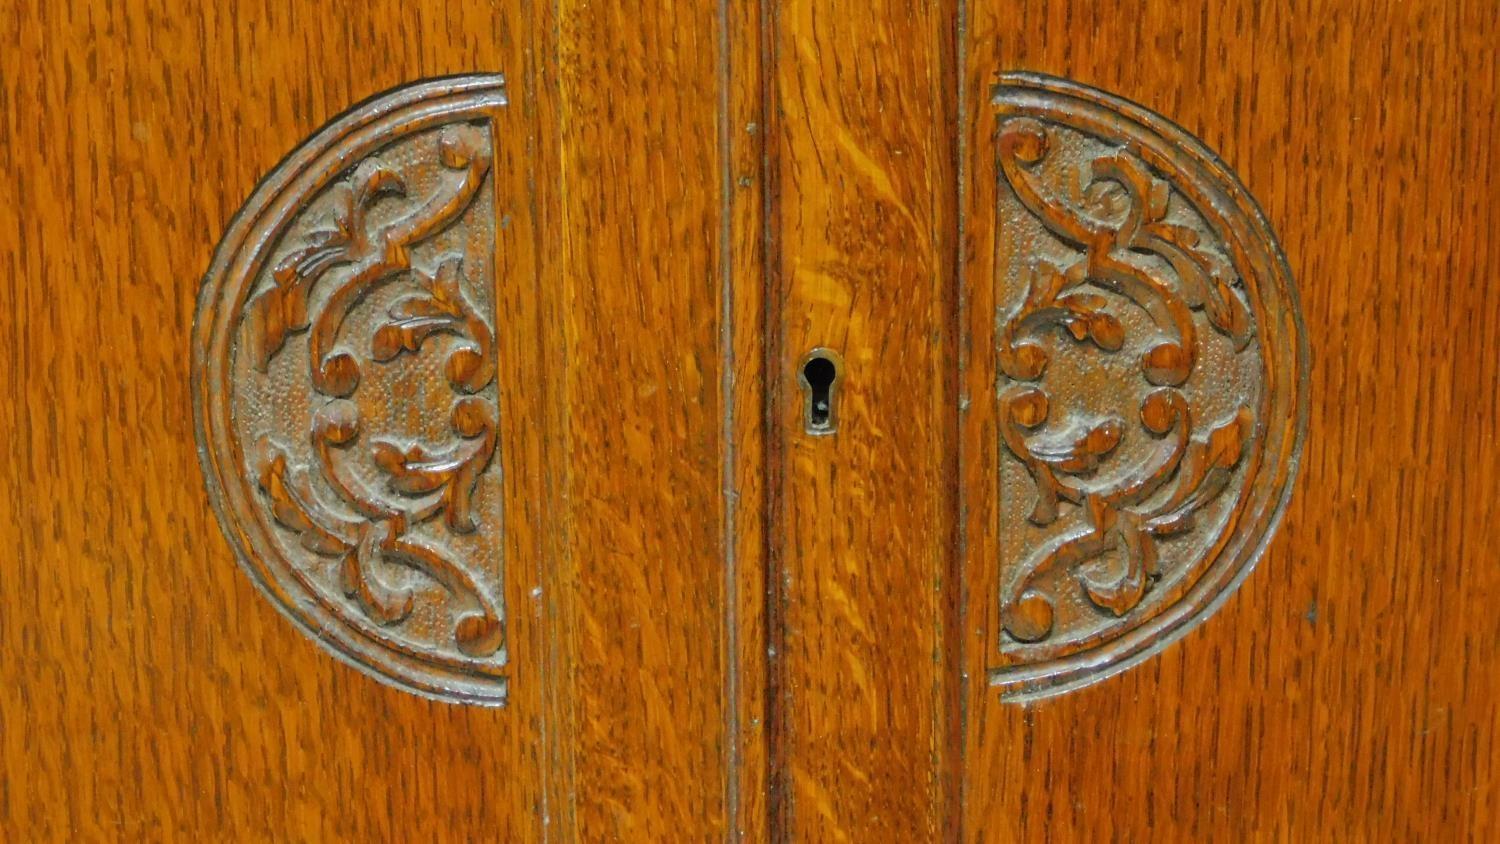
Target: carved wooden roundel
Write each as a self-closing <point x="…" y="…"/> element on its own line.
<point x="1149" y="365"/>
<point x="345" y="389"/>
<point x="1137" y="333"/>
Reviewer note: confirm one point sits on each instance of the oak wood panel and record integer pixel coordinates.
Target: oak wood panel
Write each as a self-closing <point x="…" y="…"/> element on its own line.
<point x="641" y="227"/>
<point x="149" y="691"/>
<point x="744" y="262"/>
<point x="1345" y="692"/>
<point x="862" y="521"/>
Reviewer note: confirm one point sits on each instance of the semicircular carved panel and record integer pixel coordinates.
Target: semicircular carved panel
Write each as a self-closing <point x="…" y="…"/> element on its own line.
<point x="1149" y="368"/>
<point x="346" y="395"/>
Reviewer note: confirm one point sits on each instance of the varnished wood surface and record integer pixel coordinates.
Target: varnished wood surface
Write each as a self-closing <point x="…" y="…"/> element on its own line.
<point x="634" y="343"/>
<point x="150" y="692"/>
<point x="1346" y="692"/>
<point x="861" y="230"/>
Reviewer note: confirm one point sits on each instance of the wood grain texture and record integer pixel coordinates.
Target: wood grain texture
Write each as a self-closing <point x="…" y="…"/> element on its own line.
<point x="861" y="236"/>
<point x="744" y="259"/>
<point x="148" y="691"/>
<point x="1346" y="691"/>
<point x="635" y="234"/>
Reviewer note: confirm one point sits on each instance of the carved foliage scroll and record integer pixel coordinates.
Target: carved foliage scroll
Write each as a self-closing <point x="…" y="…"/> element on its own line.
<point x="1147" y="400"/>
<point x="346" y="389"/>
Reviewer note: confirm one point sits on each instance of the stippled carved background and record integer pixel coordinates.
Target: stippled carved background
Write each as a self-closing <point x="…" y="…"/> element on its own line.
<point x="350" y="389"/>
<point x="1149" y="360"/>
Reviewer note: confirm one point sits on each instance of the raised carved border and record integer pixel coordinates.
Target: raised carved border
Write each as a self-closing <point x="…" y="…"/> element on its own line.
<point x="1227" y="205"/>
<point x="255" y="229"/>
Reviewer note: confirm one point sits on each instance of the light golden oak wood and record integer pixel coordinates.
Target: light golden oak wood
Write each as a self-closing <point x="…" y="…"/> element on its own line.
<point x="150" y="695"/>
<point x="147" y="691"/>
<point x="862" y="522"/>
<point x="181" y="706"/>
<point x="1345" y="691"/>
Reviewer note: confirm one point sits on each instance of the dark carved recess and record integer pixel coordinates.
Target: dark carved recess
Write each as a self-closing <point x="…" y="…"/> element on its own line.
<point x="346" y="390"/>
<point x="1148" y="398"/>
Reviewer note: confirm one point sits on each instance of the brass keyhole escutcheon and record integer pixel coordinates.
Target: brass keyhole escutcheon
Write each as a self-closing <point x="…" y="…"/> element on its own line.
<point x="819" y="375"/>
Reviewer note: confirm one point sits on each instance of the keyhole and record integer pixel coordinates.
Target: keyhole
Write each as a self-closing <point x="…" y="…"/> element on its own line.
<point x="819" y="378"/>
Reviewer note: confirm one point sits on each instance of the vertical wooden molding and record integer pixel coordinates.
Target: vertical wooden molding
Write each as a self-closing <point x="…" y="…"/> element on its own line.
<point x="648" y="297"/>
<point x="742" y="357"/>
<point x="552" y="599"/>
<point x="860" y="239"/>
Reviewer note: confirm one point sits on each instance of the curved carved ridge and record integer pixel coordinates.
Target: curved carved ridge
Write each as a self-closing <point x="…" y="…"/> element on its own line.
<point x="360" y="266"/>
<point x="1124" y="238"/>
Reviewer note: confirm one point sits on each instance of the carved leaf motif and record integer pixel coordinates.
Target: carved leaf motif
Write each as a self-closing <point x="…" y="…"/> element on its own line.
<point x="327" y="535"/>
<point x="292" y="507"/>
<point x="441" y="309"/>
<point x="1206" y="278"/>
<point x="1112" y="209"/>
<point x="377" y="254"/>
<point x="416" y="470"/>
<point x="1196" y="479"/>
<point x="1204" y="474"/>
<point x="282" y="310"/>
<point x="386" y="606"/>
<point x="413" y="320"/>
<point x="1079" y="453"/>
<point x="1085" y="318"/>
<point x="1082" y="315"/>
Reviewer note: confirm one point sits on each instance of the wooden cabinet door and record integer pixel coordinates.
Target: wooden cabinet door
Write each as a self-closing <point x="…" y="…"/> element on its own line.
<point x="1340" y="693"/>
<point x="748" y="421"/>
<point x="507" y="487"/>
